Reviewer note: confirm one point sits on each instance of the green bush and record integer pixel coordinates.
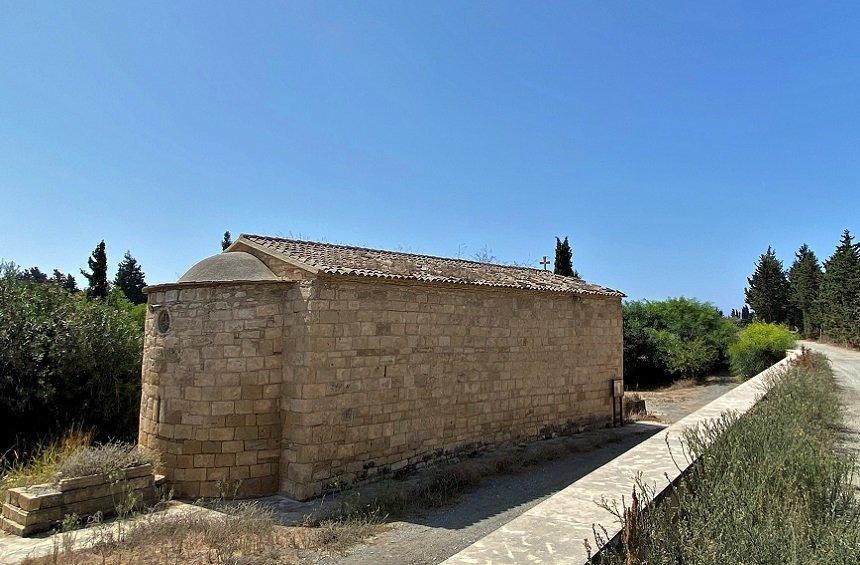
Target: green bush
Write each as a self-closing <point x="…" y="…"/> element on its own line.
<point x="65" y="360"/>
<point x="678" y="337"/>
<point x="758" y="347"/>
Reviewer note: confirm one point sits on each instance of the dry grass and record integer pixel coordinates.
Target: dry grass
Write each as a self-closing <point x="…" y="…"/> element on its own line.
<point x="104" y="459"/>
<point x="44" y="466"/>
<point x="72" y="455"/>
<point x="238" y="533"/>
<point x="395" y="499"/>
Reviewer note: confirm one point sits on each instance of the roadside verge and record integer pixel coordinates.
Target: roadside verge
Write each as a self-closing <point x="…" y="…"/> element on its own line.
<point x="556" y="530"/>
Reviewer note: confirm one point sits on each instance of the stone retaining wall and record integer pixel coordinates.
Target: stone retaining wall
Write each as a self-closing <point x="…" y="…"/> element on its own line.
<point x="29" y="510"/>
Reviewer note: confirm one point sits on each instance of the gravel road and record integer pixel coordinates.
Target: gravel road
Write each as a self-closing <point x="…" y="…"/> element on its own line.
<point x="846" y="367"/>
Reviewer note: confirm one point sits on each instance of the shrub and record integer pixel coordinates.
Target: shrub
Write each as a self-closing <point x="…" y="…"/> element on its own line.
<point x="103" y="459"/>
<point x="772" y="486"/>
<point x="65" y="360"/>
<point x="759" y="346"/>
<point x="678" y="337"/>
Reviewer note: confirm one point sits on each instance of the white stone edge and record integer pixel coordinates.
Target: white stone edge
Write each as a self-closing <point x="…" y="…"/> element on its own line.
<point x="570" y="514"/>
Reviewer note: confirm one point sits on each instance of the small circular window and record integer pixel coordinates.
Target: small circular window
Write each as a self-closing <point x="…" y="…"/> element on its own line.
<point x="162" y="322"/>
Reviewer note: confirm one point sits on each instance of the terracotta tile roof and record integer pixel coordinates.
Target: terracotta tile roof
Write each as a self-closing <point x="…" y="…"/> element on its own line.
<point x="345" y="260"/>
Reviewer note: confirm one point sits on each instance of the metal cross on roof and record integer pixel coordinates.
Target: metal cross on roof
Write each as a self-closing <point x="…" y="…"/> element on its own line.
<point x="545" y="262"/>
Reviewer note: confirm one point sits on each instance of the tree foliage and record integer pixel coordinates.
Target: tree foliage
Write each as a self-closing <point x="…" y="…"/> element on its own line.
<point x="98" y="287"/>
<point x="67" y="281"/>
<point x="564" y="258"/>
<point x="804" y="278"/>
<point x="226" y="241"/>
<point x="130" y="279"/>
<point x="678" y="337"/>
<point x="34" y="274"/>
<point x="768" y="290"/>
<point x="839" y="296"/>
<point x="65" y="360"/>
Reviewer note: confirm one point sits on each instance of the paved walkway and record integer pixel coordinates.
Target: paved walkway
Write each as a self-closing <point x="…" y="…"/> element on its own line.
<point x="846" y="367"/>
<point x="553" y="531"/>
<point x="433" y="536"/>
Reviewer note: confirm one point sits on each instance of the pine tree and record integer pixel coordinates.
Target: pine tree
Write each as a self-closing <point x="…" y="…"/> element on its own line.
<point x="768" y="289"/>
<point x="98" y="287"/>
<point x="71" y="284"/>
<point x="839" y="294"/>
<point x="66" y="281"/>
<point x="130" y="279"/>
<point x="226" y="241"/>
<point x="564" y="259"/>
<point x="804" y="278"/>
<point x="34" y="274"/>
<point x="746" y="317"/>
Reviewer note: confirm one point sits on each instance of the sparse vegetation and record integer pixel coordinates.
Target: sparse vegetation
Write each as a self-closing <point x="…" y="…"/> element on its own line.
<point x="44" y="465"/>
<point x="73" y="455"/>
<point x="771" y="487"/>
<point x="104" y="459"/>
<point x="758" y="347"/>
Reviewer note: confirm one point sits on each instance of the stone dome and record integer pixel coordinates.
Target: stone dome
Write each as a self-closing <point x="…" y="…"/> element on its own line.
<point x="229" y="266"/>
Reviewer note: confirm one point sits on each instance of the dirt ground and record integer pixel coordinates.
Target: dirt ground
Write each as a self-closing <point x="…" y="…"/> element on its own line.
<point x="672" y="403"/>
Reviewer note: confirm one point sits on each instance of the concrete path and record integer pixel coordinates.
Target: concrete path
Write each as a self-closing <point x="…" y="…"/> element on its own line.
<point x="554" y="530"/>
<point x="441" y="532"/>
<point x="846" y="367"/>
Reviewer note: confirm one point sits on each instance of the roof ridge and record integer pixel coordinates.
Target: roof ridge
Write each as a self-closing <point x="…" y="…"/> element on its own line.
<point x="406" y="253"/>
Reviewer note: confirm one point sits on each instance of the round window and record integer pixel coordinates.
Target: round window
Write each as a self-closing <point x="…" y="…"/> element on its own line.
<point x="162" y="322"/>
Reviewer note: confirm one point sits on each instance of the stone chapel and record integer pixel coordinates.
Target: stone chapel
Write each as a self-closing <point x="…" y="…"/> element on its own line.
<point x="294" y="366"/>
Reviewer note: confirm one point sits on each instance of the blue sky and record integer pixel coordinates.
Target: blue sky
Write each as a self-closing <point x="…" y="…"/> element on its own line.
<point x="672" y="142"/>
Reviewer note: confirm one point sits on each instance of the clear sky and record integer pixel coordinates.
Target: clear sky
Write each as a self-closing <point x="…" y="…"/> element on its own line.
<point x="672" y="142"/>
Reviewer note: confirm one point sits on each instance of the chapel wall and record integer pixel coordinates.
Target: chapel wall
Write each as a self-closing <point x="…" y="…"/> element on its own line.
<point x="384" y="377"/>
<point x="211" y="387"/>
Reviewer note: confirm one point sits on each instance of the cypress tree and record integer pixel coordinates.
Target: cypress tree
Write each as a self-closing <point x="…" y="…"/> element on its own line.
<point x="768" y="289"/>
<point x="804" y="278"/>
<point x="130" y="279"/>
<point x="226" y="241"/>
<point x="839" y="294"/>
<point x="564" y="258"/>
<point x="98" y="287"/>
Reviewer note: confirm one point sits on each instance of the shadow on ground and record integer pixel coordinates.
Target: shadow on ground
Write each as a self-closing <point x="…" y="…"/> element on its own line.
<point x="432" y="535"/>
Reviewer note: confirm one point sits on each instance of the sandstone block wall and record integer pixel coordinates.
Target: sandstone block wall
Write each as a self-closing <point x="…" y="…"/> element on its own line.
<point x="380" y="376"/>
<point x="212" y="386"/>
<point x="302" y="386"/>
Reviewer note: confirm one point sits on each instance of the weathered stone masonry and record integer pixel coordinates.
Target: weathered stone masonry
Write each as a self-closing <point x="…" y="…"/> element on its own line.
<point x="212" y="386"/>
<point x="298" y="385"/>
